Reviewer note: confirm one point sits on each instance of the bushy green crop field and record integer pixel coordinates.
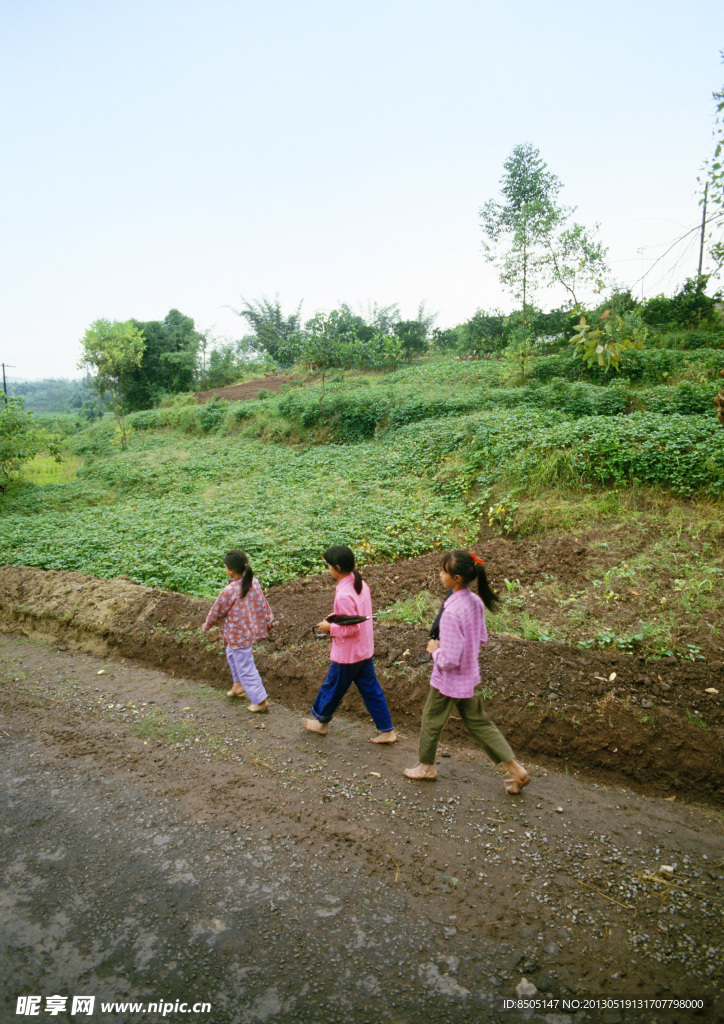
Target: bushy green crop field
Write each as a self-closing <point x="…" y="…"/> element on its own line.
<point x="164" y="512"/>
<point x="393" y="465"/>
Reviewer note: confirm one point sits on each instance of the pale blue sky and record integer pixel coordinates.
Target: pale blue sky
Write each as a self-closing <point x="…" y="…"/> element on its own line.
<point x="181" y="154"/>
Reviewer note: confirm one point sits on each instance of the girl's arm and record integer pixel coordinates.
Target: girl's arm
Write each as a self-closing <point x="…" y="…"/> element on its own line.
<point x="219" y="609"/>
<point x="452" y="643"/>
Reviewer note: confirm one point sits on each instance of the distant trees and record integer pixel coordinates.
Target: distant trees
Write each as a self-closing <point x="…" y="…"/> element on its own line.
<point x="134" y="363"/>
<point x="273" y="330"/>
<point x="112" y="349"/>
<point x="221" y="366"/>
<point x="168" y="362"/>
<point x="54" y="395"/>
<point x="379" y="338"/>
<point x="484" y="333"/>
<point x="491" y="333"/>
<point x="415" y="334"/>
<point x="688" y="308"/>
<point x="344" y="339"/>
<point x="20" y="440"/>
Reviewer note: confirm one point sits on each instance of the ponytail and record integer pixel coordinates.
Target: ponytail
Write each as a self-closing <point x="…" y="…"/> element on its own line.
<point x="339" y="556"/>
<point x="469" y="566"/>
<point x="246" y="581"/>
<point x="238" y="562"/>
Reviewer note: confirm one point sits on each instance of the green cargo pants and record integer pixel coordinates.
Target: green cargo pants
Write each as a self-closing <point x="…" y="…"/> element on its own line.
<point x="436" y="712"/>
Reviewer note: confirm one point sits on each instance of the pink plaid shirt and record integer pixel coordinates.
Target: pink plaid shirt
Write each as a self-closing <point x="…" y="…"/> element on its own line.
<point x="245" y="620"/>
<point x="456" y="671"/>
<point x="352" y="643"/>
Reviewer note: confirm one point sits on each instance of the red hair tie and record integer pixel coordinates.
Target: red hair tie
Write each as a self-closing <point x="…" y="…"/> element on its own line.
<point x="478" y="561"/>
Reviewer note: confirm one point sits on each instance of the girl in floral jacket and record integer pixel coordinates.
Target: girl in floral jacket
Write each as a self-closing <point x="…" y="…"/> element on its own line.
<point x="246" y="617"/>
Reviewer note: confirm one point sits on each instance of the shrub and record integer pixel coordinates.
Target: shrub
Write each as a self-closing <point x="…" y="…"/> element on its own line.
<point x="684" y="454"/>
<point x="210" y="415"/>
<point x="650" y="366"/>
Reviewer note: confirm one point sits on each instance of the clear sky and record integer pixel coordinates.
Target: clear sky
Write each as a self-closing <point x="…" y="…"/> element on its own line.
<point x="182" y="153"/>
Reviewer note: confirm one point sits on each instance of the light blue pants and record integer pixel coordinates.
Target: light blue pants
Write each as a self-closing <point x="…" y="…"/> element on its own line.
<point x="245" y="673"/>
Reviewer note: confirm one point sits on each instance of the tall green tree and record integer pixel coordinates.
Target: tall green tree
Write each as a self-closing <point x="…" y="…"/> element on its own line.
<point x="111" y="350"/>
<point x="517" y="228"/>
<point x="529" y="236"/>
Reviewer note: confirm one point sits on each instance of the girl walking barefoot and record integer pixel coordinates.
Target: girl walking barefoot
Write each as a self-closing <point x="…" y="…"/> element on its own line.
<point x="456" y="671"/>
<point x="352" y="649"/>
<point x="246" y="617"/>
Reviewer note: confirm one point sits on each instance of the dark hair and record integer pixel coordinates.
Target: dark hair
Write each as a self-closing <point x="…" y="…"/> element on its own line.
<point x="339" y="556"/>
<point x="460" y="562"/>
<point x="238" y="562"/>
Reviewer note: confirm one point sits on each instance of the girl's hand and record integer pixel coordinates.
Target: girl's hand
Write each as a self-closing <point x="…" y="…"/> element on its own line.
<point x="432" y="646"/>
<point x="323" y="626"/>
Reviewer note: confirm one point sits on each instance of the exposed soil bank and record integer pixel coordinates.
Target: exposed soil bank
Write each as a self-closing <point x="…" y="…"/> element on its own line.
<point x="551" y="700"/>
<point x="243" y="392"/>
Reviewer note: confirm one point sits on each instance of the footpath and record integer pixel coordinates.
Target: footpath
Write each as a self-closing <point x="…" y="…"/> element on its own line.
<point x="163" y="850"/>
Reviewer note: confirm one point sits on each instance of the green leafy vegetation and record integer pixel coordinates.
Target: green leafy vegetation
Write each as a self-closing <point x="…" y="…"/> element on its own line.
<point x="694" y="718"/>
<point x="21" y="440"/>
<point x="163" y="512"/>
<point x="415" y="610"/>
<point x="430" y="453"/>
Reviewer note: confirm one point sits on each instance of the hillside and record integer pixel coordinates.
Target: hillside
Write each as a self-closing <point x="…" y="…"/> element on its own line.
<point x="596" y="502"/>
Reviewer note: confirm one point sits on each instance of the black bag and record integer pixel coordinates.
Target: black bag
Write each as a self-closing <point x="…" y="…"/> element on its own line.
<point x="340" y="620"/>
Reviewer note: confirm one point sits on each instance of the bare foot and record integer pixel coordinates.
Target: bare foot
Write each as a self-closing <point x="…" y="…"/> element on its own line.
<point x="384" y="737"/>
<point x="262" y="708"/>
<point x="519" y="777"/>
<point x="235" y="691"/>
<point x="314" y="726"/>
<point x="422" y="771"/>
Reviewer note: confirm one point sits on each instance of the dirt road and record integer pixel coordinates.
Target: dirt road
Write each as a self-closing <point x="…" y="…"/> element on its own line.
<point x="161" y="844"/>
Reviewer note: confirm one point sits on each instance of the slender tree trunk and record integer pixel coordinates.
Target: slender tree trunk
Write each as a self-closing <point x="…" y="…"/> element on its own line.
<point x="117" y="396"/>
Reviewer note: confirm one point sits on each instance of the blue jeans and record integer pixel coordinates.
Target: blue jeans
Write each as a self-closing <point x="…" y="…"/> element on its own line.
<point x="339" y="679"/>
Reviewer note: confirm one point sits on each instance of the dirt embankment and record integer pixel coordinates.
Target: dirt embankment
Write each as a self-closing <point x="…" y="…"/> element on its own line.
<point x="243" y="392"/>
<point x="612" y="715"/>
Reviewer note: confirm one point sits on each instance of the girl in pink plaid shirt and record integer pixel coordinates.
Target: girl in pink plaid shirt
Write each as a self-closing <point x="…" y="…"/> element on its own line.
<point x="456" y="671"/>
<point x="352" y="650"/>
<point x="246" y="617"/>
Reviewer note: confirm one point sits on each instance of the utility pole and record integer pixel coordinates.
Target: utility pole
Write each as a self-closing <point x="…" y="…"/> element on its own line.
<point x="703" y="225"/>
<point x="5" y="383"/>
